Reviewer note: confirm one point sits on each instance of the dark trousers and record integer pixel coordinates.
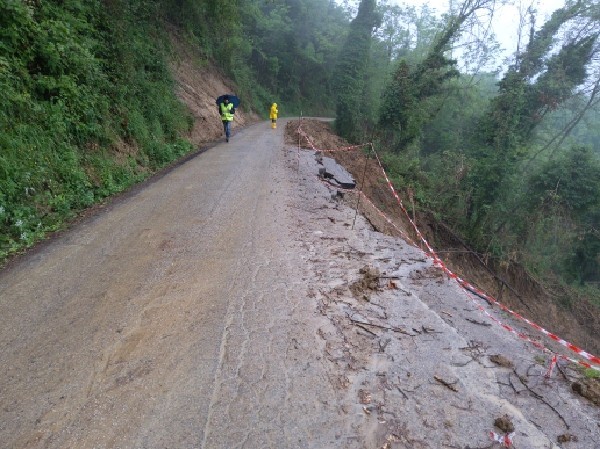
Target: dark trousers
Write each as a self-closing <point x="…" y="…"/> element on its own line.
<point x="227" y="128"/>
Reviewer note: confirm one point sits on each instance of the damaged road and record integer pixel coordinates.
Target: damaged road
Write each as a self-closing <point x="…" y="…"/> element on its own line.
<point x="235" y="303"/>
<point x="417" y="364"/>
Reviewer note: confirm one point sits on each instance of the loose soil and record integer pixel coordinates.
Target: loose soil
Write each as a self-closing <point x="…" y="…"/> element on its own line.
<point x="367" y="283"/>
<point x="588" y="388"/>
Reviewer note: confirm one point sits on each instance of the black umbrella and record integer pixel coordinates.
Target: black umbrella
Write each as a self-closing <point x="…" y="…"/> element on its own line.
<point x="232" y="99"/>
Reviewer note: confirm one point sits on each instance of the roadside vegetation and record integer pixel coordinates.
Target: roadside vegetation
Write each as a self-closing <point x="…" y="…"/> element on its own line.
<point x="87" y="109"/>
<point x="506" y="154"/>
<point x="88" y="104"/>
<point x="507" y="158"/>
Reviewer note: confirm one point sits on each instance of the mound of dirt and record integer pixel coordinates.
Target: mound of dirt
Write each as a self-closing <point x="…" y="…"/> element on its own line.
<point x="368" y="282"/>
<point x="512" y="285"/>
<point x="320" y="133"/>
<point x="505" y="424"/>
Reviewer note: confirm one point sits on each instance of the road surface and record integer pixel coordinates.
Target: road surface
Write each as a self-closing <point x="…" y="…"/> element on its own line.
<point x="213" y="309"/>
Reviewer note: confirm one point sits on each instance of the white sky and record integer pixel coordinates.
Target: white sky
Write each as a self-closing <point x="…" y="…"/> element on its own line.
<point x="506" y="18"/>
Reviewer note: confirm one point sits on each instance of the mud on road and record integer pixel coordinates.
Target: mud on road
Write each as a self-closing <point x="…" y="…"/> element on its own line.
<point x="232" y="304"/>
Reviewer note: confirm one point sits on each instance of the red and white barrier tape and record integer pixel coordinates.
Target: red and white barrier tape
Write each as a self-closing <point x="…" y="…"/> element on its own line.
<point x="505" y="440"/>
<point x="476" y="303"/>
<point x="551" y="367"/>
<point x="471" y="288"/>
<point x="389" y="221"/>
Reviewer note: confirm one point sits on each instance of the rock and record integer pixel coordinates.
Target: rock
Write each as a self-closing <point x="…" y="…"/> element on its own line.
<point x="566" y="438"/>
<point x="501" y="360"/>
<point x="368" y="282"/>
<point x="504" y="424"/>
<point x="588" y="388"/>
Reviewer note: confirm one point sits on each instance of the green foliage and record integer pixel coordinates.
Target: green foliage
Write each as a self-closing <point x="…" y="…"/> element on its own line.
<point x="469" y="150"/>
<point x="400" y="110"/>
<point x="214" y="25"/>
<point x="571" y="180"/>
<point x="407" y="32"/>
<point x="570" y="187"/>
<point x="411" y="98"/>
<point x="406" y="174"/>
<point x="79" y="80"/>
<point x="522" y="102"/>
<point x="351" y="73"/>
<point x="591" y="373"/>
<point x="537" y="84"/>
<point x="414" y="94"/>
<point x="289" y="53"/>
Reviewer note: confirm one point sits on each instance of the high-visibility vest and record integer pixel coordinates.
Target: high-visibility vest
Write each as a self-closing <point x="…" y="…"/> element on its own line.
<point x="226" y="114"/>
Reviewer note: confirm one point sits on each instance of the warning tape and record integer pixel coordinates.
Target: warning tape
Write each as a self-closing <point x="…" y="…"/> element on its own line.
<point x="437" y="261"/>
<point x="551" y="366"/>
<point x="505" y="440"/>
<point x="471" y="288"/>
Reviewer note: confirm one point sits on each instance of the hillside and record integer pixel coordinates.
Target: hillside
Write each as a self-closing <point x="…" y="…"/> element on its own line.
<point x="91" y="107"/>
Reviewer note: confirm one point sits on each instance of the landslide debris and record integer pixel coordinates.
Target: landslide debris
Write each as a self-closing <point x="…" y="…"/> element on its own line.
<point x="368" y="282"/>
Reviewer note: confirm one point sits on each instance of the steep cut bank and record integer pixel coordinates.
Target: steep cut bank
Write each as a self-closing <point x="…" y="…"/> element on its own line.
<point x="198" y="83"/>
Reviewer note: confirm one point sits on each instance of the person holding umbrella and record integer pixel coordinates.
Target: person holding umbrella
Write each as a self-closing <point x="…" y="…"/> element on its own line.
<point x="273" y="115"/>
<point x="227" y="105"/>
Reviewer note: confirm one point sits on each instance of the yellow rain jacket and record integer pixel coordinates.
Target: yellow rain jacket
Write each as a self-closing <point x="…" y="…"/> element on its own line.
<point x="273" y="114"/>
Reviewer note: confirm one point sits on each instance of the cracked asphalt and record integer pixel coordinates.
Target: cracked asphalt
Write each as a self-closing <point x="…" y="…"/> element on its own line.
<point x="213" y="309"/>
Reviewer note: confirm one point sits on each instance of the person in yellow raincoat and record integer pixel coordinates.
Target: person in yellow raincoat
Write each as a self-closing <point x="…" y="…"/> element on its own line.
<point x="273" y="115"/>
